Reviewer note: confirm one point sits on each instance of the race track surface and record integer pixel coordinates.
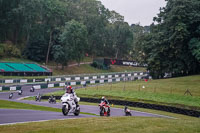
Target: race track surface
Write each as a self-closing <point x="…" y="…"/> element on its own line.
<point x="8" y="116"/>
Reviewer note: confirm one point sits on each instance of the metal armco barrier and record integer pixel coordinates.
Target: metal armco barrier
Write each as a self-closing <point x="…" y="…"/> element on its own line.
<point x="142" y="105"/>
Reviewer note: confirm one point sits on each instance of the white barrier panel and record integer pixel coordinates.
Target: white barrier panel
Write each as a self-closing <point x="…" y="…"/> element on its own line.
<point x="118" y="79"/>
<point x="0" y="88"/>
<point x="116" y="76"/>
<point x="85" y="78"/>
<point x="123" y="75"/>
<point x="50" y="85"/>
<point x="129" y="75"/>
<point x="61" y="84"/>
<point x="67" y="79"/>
<point x="101" y="81"/>
<point x="102" y="77"/>
<point x="73" y="83"/>
<point x="141" y="73"/>
<point x="77" y="78"/>
<point x="139" y="78"/>
<point x="109" y="76"/>
<point x="58" y="79"/>
<point x="94" y="77"/>
<point x="92" y="82"/>
<point x="109" y="80"/>
<point x="23" y="81"/>
<point x="135" y="74"/>
<point x="13" y="88"/>
<point x="83" y="82"/>
<point x="37" y="86"/>
<point x="8" y="81"/>
<point x="47" y="79"/>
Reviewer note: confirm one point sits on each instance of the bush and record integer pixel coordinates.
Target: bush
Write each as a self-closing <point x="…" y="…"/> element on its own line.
<point x="9" y="50"/>
<point x="100" y="65"/>
<point x="94" y="64"/>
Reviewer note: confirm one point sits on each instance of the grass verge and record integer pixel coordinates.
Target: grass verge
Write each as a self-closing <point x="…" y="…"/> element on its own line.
<point x="109" y="125"/>
<point x="164" y="92"/>
<point x="15" y="105"/>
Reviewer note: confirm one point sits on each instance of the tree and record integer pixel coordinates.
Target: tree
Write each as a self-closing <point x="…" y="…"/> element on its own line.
<point x="170" y="46"/>
<point x="74" y="40"/>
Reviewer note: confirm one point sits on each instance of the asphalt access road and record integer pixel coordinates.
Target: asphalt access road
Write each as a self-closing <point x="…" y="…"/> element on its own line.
<point x="13" y="115"/>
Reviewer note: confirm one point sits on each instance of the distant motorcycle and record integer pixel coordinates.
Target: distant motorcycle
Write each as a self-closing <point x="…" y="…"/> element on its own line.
<point x="68" y="104"/>
<point x="38" y="98"/>
<point x="20" y="92"/>
<point x="104" y="109"/>
<point x="127" y="111"/>
<point x="32" y="89"/>
<point x="52" y="99"/>
<point x="10" y="96"/>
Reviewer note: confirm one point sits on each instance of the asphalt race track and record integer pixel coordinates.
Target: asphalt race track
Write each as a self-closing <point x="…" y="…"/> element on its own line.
<point x="9" y="116"/>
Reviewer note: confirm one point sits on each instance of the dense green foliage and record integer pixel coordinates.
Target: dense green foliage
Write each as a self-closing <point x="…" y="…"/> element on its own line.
<point x="40" y="28"/>
<point x="37" y="29"/>
<point x="173" y="44"/>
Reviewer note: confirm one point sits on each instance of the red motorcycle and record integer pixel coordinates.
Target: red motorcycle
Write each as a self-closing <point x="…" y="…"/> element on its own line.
<point x="104" y="109"/>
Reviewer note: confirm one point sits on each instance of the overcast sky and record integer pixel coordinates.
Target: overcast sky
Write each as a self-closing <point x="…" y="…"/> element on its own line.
<point x="135" y="11"/>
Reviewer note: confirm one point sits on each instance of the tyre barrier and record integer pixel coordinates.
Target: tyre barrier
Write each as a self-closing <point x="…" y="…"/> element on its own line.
<point x="142" y="105"/>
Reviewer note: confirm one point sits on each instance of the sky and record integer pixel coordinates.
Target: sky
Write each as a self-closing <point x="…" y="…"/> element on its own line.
<point x="135" y="11"/>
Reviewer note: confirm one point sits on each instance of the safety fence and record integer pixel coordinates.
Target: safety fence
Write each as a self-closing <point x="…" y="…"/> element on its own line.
<point x="101" y="79"/>
<point x="10" y="88"/>
<point x="142" y="105"/>
<point x="77" y="77"/>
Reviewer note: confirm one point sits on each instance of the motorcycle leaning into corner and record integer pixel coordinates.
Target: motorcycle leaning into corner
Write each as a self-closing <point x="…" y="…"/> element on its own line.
<point x="52" y="99"/>
<point x="69" y="105"/>
<point x="104" y="109"/>
<point x="127" y="111"/>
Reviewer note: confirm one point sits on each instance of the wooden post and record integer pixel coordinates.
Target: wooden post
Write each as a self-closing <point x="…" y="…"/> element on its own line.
<point x="139" y="88"/>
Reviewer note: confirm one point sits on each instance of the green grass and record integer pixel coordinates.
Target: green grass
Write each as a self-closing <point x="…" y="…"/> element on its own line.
<point x="15" y="105"/>
<point x="109" y="125"/>
<point x="87" y="69"/>
<point x="164" y="91"/>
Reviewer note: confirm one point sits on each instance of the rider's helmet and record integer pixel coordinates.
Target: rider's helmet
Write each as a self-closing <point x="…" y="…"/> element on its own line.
<point x="103" y="98"/>
<point x="68" y="89"/>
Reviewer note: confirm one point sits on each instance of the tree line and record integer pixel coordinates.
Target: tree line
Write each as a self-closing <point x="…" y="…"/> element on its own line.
<point x="63" y="30"/>
<point x="173" y="43"/>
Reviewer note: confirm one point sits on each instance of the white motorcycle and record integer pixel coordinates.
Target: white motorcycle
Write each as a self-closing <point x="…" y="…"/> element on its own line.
<point x="68" y="104"/>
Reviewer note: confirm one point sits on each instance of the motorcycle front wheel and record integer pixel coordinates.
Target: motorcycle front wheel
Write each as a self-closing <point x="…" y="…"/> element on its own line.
<point x="101" y="112"/>
<point x="77" y="111"/>
<point x="64" y="110"/>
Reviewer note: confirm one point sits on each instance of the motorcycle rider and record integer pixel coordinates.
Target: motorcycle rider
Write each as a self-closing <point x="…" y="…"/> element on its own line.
<point x="69" y="90"/>
<point x="103" y="99"/>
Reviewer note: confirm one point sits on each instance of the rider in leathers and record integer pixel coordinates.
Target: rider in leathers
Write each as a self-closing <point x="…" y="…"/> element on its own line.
<point x="69" y="90"/>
